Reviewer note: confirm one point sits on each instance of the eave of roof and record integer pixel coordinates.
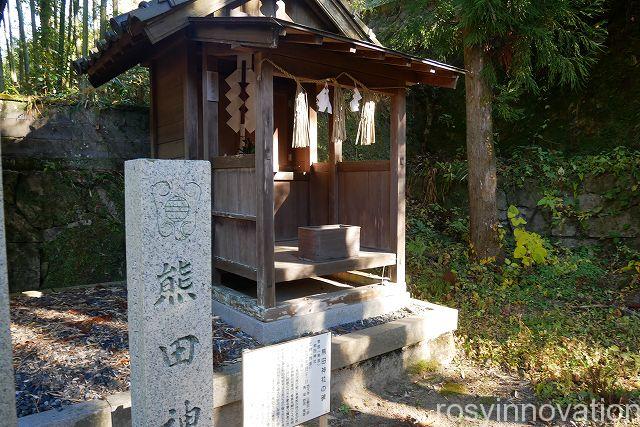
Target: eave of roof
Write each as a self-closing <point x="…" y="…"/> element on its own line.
<point x="132" y="46"/>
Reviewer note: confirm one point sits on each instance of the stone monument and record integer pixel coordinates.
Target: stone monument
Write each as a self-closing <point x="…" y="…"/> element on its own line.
<point x="168" y="227"/>
<point x="7" y="386"/>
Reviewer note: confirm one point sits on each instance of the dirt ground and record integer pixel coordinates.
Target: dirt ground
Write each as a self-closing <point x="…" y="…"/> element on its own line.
<point x="422" y="396"/>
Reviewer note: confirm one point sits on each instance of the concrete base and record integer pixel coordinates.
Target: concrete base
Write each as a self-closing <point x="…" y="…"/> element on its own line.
<point x="295" y="326"/>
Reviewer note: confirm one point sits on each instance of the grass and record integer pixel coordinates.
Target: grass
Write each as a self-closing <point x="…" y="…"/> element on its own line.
<point x="451" y="388"/>
<point x="563" y="325"/>
<point x="422" y="367"/>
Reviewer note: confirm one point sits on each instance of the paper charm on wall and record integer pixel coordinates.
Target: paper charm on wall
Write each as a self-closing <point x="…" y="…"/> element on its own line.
<point x="241" y="96"/>
<point x="355" y="101"/>
<point x="324" y="103"/>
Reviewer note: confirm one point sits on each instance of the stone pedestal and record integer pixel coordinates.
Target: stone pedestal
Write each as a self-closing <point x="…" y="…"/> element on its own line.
<point x="168" y="226"/>
<point x="7" y="385"/>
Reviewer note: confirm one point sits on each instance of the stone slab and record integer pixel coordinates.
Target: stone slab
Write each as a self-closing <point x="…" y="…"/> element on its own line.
<point x="7" y="385"/>
<point x="168" y="226"/>
<point x="94" y="413"/>
<point x="361" y="345"/>
<point x="293" y="327"/>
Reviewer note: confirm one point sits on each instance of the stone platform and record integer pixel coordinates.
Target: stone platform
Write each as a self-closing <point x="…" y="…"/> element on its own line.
<point x="295" y="326"/>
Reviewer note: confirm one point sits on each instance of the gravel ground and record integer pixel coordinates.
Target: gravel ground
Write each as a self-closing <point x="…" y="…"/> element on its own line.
<point x="72" y="346"/>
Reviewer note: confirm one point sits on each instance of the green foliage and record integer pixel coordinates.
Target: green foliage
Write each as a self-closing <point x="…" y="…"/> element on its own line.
<point x="452" y="388"/>
<point x="530" y="45"/>
<point x="558" y="178"/>
<point x="530" y="248"/>
<point x="54" y="44"/>
<point x="423" y="366"/>
<point x="351" y="151"/>
<point x="345" y="409"/>
<point x="557" y="169"/>
<point x="129" y="89"/>
<point x="560" y="324"/>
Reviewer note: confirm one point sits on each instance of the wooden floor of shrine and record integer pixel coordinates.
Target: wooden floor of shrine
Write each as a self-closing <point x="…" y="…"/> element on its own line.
<point x="289" y="267"/>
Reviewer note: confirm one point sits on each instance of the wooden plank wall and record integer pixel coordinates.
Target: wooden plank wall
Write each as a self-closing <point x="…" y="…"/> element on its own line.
<point x="291" y="200"/>
<point x="234" y="210"/>
<point x="319" y="182"/>
<point x="235" y="241"/>
<point x="363" y="199"/>
<point x="168" y="99"/>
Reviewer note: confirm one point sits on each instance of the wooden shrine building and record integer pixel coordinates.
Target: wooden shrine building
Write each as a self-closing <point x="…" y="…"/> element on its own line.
<point x="224" y="77"/>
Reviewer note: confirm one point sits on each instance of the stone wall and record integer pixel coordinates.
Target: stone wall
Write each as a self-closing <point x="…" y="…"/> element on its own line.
<point x="601" y="210"/>
<point x="64" y="191"/>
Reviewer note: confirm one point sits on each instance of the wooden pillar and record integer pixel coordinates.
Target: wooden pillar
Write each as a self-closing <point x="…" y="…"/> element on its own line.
<point x="398" y="177"/>
<point x="265" y="237"/>
<point x="313" y="130"/>
<point x="153" y="113"/>
<point x="335" y="157"/>
<point x="210" y="97"/>
<point x="190" y="86"/>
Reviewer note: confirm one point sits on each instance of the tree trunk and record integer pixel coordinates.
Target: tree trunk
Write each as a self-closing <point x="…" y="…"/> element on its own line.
<point x="8" y="34"/>
<point x="103" y="18"/>
<point x="45" y="22"/>
<point x="72" y="46"/>
<point x="24" y="49"/>
<point x="85" y="27"/>
<point x="95" y="19"/>
<point x="483" y="210"/>
<point x="34" y="31"/>
<point x="2" y="87"/>
<point x="55" y="15"/>
<point x="32" y="13"/>
<point x="61" y="44"/>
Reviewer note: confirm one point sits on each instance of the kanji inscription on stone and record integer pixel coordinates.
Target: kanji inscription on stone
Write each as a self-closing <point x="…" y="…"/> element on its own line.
<point x="168" y="228"/>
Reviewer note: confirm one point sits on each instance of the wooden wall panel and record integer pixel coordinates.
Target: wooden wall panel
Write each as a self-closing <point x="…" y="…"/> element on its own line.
<point x="302" y="12"/>
<point x="234" y="211"/>
<point x="319" y="194"/>
<point x="168" y="102"/>
<point x="363" y="199"/>
<point x="234" y="191"/>
<point x="235" y="241"/>
<point x="291" y="204"/>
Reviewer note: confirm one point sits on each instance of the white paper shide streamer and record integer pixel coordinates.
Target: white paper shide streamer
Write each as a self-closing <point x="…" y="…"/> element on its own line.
<point x="355" y="101"/>
<point x="323" y="101"/>
<point x="301" y="137"/>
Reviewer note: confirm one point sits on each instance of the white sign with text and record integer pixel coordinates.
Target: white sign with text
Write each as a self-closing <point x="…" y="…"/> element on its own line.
<point x="287" y="384"/>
